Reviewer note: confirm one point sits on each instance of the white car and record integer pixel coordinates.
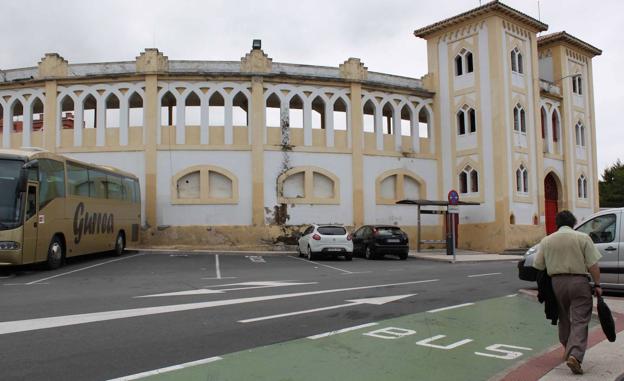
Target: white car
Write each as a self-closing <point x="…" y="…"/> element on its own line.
<point x="325" y="240"/>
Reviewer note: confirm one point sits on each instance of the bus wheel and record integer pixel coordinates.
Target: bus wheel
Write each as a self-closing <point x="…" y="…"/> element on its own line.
<point x="120" y="245"/>
<point x="55" y="254"/>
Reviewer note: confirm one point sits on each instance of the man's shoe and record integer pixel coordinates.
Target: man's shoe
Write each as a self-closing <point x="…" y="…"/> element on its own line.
<point x="574" y="365"/>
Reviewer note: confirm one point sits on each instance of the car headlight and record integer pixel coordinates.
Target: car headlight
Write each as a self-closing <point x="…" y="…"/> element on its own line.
<point x="9" y="245"/>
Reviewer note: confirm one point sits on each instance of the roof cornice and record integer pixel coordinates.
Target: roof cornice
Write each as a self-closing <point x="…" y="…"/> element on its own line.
<point x="494" y="7"/>
<point x="564" y="37"/>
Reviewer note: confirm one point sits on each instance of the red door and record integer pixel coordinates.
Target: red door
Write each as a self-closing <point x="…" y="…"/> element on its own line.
<point x="552" y="203"/>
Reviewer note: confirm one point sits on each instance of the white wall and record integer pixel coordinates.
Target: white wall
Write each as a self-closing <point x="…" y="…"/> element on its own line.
<point x="172" y="162"/>
<point x="133" y="162"/>
<point x="300" y="214"/>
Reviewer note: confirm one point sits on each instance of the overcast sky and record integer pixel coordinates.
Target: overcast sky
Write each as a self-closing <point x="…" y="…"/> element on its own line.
<point x="318" y="32"/>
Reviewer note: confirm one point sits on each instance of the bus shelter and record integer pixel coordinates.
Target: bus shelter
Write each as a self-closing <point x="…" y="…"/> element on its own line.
<point x="446" y="208"/>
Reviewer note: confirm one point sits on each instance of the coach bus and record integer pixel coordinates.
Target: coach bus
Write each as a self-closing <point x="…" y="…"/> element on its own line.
<point x="53" y="207"/>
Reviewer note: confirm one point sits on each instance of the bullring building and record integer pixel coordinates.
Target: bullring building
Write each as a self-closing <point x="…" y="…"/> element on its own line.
<point x="244" y="152"/>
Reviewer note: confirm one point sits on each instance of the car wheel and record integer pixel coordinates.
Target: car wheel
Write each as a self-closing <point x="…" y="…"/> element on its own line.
<point x="56" y="253"/>
<point x="120" y="245"/>
<point x="349" y="257"/>
<point x="299" y="253"/>
<point x="369" y="253"/>
<point x="403" y="256"/>
<point x="310" y="254"/>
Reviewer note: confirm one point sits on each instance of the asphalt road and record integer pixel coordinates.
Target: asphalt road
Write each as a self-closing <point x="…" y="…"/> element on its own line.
<point x="100" y="318"/>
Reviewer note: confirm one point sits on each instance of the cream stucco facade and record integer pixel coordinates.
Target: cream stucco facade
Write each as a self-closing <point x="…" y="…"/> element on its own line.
<point x="242" y="153"/>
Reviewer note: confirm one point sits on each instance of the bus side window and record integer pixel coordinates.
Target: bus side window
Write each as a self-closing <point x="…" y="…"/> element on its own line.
<point x="78" y="179"/>
<point x="97" y="181"/>
<point x="31" y="203"/>
<point x="137" y="192"/>
<point x="113" y="187"/>
<point x="128" y="189"/>
<point x="51" y="181"/>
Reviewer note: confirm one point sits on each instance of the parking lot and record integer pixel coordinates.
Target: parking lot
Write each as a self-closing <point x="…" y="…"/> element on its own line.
<point x="101" y="318"/>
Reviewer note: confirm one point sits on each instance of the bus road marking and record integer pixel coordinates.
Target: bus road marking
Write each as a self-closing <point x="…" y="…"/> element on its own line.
<point x="168" y="369"/>
<point x="339" y="331"/>
<point x="450" y="307"/>
<point x="479" y="275"/>
<point x="84" y="268"/>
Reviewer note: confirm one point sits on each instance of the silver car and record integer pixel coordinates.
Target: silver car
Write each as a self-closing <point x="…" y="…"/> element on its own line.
<point x="606" y="229"/>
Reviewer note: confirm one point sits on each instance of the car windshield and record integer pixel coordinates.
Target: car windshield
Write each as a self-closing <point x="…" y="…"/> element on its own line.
<point x="10" y="196"/>
<point x="388" y="230"/>
<point x="332" y="230"/>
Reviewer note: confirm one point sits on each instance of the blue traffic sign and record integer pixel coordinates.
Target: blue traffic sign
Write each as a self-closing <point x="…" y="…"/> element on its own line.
<point x="453" y="197"/>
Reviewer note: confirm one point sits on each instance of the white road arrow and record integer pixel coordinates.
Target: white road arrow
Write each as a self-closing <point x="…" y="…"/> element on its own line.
<point x="245" y="286"/>
<point x="354" y="302"/>
<point x="62" y="321"/>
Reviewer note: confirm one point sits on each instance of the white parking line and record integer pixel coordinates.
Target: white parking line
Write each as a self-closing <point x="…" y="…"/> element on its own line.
<point x="450" y="307"/>
<point x="511" y="295"/>
<point x="357" y="272"/>
<point x="167" y="369"/>
<point x="479" y="275"/>
<point x="84" y="268"/>
<point x="218" y="269"/>
<point x="320" y="264"/>
<point x="326" y="334"/>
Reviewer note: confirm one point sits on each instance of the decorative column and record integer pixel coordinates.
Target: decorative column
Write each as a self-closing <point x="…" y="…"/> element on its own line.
<point x="355" y="71"/>
<point x="150" y="63"/>
<point x="51" y="67"/>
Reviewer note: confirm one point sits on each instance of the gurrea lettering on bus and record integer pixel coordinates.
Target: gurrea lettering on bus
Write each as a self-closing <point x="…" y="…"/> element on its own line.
<point x="91" y="223"/>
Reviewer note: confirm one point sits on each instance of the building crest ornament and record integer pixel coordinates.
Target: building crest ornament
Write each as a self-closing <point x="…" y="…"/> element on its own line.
<point x="353" y="69"/>
<point x="256" y="61"/>
<point x="52" y="65"/>
<point x="152" y="61"/>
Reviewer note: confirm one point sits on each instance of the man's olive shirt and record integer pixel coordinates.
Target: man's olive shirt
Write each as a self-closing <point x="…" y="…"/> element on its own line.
<point x="566" y="252"/>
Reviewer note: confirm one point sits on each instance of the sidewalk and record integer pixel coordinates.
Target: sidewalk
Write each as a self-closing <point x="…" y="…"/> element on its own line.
<point x="464" y="256"/>
<point x="603" y="360"/>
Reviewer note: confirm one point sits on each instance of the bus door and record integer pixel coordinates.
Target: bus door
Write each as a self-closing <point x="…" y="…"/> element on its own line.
<point x="31" y="223"/>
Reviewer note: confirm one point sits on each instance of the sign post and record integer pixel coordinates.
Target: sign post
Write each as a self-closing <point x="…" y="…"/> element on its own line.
<point x="453" y="213"/>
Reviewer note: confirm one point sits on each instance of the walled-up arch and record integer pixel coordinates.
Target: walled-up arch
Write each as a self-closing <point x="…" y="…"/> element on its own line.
<point x="204" y="184"/>
<point x="399" y="184"/>
<point x="308" y="185"/>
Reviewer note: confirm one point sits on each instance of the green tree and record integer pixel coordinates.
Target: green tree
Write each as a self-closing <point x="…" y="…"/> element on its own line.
<point x="612" y="186"/>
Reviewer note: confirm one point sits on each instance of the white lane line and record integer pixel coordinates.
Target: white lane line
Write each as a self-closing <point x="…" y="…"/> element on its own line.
<point x="374" y="301"/>
<point x="356" y="272"/>
<point x="7" y="327"/>
<point x="84" y="268"/>
<point x="167" y="369"/>
<point x="337" y="332"/>
<point x="511" y="295"/>
<point x="218" y="269"/>
<point x="450" y="307"/>
<point x="478" y="275"/>
<point x="221" y="278"/>
<point x="320" y="264"/>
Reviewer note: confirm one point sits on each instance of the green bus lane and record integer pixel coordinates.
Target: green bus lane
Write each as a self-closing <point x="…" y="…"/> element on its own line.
<point x="469" y="342"/>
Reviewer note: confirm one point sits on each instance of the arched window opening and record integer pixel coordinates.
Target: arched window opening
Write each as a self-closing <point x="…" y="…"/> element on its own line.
<point x="468" y="180"/>
<point x="240" y="110"/>
<point x="89" y="107"/>
<point x="36" y="110"/>
<point x="517" y="65"/>
<point x="555" y="126"/>
<point x="512" y="219"/>
<point x="461" y="122"/>
<point x="543" y="121"/>
<point x="469" y="65"/>
<point x="340" y="115"/>
<point x="577" y="84"/>
<point x="168" y="110"/>
<point x="582" y="187"/>
<point x="216" y="110"/>
<point x="424" y="130"/>
<point x="459" y="65"/>
<point x="205" y="185"/>
<point x="135" y="110"/>
<point x="387" y="119"/>
<point x="522" y="180"/>
<point x="396" y="185"/>
<point x="1" y="119"/>
<point x="272" y="111"/>
<point x="514" y="63"/>
<point x="112" y="111"/>
<point x="466" y="120"/>
<point x="519" y="119"/>
<point x="308" y="185"/>
<point x="17" y="114"/>
<point x="295" y="113"/>
<point x="318" y="114"/>
<point x="192" y="110"/>
<point x="580" y="134"/>
<point x="472" y="118"/>
<point x="406" y="121"/>
<point x="464" y="62"/>
<point x="369" y="116"/>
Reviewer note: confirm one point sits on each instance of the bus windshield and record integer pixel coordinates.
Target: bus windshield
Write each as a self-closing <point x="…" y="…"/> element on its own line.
<point x="10" y="195"/>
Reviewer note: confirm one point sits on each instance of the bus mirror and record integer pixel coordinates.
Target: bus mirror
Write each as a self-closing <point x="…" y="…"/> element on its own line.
<point x="23" y="181"/>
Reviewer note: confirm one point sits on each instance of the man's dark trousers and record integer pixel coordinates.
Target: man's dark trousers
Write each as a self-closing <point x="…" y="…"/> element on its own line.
<point x="574" y="299"/>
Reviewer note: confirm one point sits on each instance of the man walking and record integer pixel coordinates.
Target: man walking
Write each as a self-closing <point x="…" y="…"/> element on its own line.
<point x="567" y="256"/>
